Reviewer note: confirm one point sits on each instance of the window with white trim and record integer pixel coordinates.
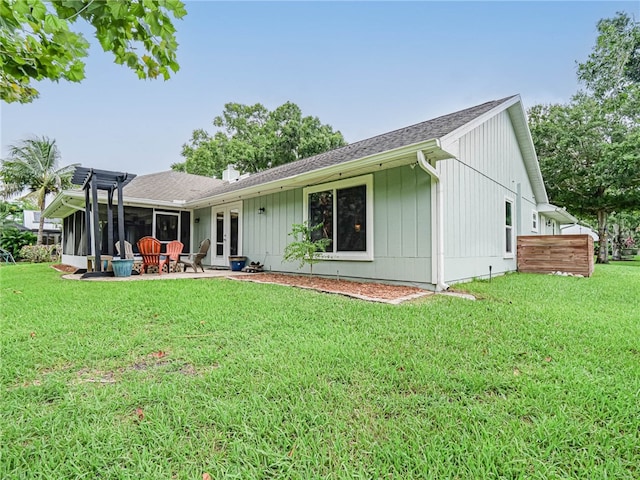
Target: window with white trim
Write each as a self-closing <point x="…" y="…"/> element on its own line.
<point x="508" y="227"/>
<point x="345" y="210"/>
<point x="534" y="221"/>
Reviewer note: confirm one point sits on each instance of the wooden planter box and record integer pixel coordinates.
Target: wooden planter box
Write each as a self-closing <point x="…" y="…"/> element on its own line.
<point x="556" y="253"/>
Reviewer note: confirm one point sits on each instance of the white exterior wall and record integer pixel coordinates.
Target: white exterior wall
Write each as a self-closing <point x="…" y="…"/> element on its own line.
<point x="489" y="168"/>
<point x="548" y="226"/>
<point x="32" y="223"/>
<point x="78" y="261"/>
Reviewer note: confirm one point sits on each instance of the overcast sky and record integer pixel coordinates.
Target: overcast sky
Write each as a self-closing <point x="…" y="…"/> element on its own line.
<point x="365" y="68"/>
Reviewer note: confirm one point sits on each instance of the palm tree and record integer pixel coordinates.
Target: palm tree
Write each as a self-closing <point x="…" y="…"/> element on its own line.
<point x="33" y="165"/>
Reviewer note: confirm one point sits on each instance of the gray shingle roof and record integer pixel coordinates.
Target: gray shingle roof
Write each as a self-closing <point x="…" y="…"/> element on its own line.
<point x="170" y="185"/>
<point x="435" y="128"/>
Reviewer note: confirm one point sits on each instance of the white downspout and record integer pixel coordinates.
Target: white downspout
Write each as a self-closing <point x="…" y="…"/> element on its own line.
<point x="438" y="209"/>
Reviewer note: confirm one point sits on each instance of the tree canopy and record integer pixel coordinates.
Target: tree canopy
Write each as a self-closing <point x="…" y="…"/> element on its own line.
<point x="253" y="138"/>
<point x="614" y="64"/>
<point x="33" y="165"/>
<point x="11" y="213"/>
<point x="589" y="148"/>
<point x="37" y="42"/>
<point x="589" y="163"/>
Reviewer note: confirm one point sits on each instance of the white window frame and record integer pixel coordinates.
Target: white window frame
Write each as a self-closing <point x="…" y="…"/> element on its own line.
<point x="535" y="221"/>
<point x="367" y="181"/>
<point x="506" y="227"/>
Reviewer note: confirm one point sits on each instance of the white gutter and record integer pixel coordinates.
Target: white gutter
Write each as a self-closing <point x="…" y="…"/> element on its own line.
<point x="321" y="174"/>
<point x="437" y="212"/>
<point x="556" y="213"/>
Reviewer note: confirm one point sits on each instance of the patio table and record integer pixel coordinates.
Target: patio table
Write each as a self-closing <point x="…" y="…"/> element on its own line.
<point x="106" y="259"/>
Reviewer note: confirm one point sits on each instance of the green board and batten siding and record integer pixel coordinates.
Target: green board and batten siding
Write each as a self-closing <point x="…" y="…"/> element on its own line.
<point x="488" y="169"/>
<point x="402" y="230"/>
<point x="202" y="230"/>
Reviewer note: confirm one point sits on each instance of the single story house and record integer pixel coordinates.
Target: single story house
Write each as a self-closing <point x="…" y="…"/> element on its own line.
<point x="51" y="231"/>
<point x="431" y="204"/>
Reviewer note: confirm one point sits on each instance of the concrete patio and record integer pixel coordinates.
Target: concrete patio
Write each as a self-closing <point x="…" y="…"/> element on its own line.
<point x="208" y="273"/>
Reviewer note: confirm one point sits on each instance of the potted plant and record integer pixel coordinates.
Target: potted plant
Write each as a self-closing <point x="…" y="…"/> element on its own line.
<point x="122" y="267"/>
<point x="237" y="262"/>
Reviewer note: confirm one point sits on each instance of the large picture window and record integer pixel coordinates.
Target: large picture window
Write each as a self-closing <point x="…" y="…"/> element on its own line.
<point x="345" y="210"/>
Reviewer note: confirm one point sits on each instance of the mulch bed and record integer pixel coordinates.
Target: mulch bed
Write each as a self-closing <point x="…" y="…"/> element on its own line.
<point x="61" y="267"/>
<point x="366" y="291"/>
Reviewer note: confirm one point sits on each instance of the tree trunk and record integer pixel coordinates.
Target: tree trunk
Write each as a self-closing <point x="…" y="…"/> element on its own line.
<point x="41" y="224"/>
<point x="616" y="242"/>
<point x="603" y="251"/>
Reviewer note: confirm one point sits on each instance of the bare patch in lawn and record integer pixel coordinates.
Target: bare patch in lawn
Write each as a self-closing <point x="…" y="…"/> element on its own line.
<point x="155" y="362"/>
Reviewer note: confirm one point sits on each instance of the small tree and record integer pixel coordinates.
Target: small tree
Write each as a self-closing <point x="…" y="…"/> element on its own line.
<point x="304" y="249"/>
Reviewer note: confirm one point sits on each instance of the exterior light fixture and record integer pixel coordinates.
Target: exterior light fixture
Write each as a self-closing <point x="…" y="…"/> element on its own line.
<point x="260" y="210"/>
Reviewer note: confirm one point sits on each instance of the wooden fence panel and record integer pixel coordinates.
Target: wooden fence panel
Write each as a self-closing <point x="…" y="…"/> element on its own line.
<point x="556" y="253"/>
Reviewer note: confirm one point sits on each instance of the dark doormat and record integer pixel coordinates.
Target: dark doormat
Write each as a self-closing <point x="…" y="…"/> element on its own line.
<point x="97" y="274"/>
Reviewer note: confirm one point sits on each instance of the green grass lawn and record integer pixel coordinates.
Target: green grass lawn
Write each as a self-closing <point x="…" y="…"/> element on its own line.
<point x="172" y="379"/>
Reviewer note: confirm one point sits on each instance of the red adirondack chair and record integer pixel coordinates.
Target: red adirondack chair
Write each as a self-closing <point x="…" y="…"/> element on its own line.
<point x="174" y="249"/>
<point x="149" y="248"/>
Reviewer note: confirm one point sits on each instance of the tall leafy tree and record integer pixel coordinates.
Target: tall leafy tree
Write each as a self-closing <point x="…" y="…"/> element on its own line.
<point x="254" y="138"/>
<point x="613" y="67"/>
<point x="590" y="164"/>
<point x="33" y="165"/>
<point x="589" y="149"/>
<point x="37" y="42"/>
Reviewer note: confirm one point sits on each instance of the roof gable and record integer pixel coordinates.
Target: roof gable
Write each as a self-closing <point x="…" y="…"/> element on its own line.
<point x="420" y="132"/>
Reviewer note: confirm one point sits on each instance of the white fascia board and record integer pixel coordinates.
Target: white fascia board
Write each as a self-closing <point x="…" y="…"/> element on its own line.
<point x="55" y="209"/>
<point x="59" y="205"/>
<point x="525" y="142"/>
<point x="405" y="154"/>
<point x="556" y="213"/>
<point x="467" y="127"/>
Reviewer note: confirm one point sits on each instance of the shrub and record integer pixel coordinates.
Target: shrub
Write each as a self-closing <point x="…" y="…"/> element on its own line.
<point x="13" y="240"/>
<point x="304" y="249"/>
<point x="39" y="253"/>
